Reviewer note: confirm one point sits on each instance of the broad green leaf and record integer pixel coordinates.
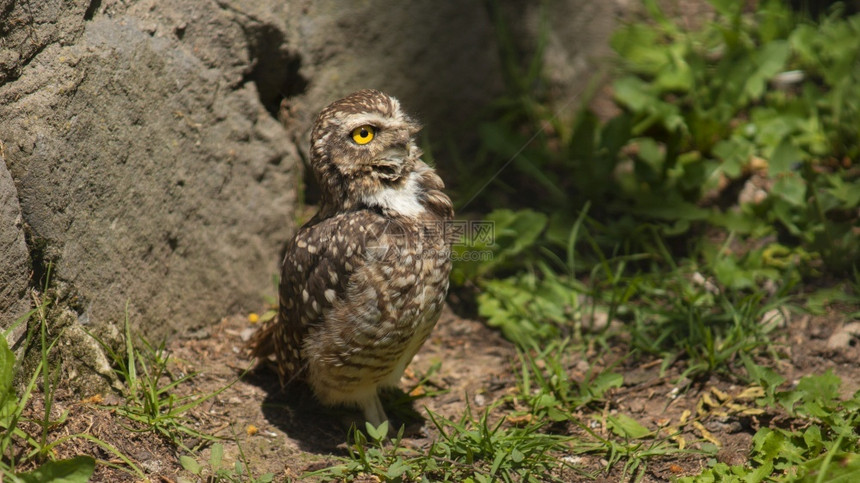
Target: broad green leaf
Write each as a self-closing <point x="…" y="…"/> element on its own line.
<point x="603" y="382"/>
<point x="517" y="229"/>
<point x="846" y="192"/>
<point x="769" y="444"/>
<point x="190" y="464"/>
<point x="216" y="454"/>
<point x="397" y="469"/>
<point x="377" y="433"/>
<point x="823" y="388"/>
<point x="770" y="60"/>
<point x="625" y="426"/>
<point x="557" y="414"/>
<point x="517" y="456"/>
<point x="784" y="157"/>
<point x="8" y="398"/>
<point x="634" y="93"/>
<point x="760" y="473"/>
<point x="677" y="76"/>
<point x="737" y="221"/>
<point x="652" y="153"/>
<point x="791" y="188"/>
<point x="7" y="366"/>
<point x="74" y="470"/>
<point x="735" y="153"/>
<point x="638" y="44"/>
<point x="812" y="437"/>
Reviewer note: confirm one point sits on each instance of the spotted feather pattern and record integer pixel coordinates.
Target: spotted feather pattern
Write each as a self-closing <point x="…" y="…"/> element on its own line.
<point x="362" y="283"/>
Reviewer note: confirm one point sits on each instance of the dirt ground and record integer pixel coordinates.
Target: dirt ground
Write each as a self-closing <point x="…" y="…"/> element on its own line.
<point x="289" y="434"/>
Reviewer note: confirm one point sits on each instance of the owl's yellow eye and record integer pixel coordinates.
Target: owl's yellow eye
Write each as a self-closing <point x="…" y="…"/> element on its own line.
<point x="363" y="134"/>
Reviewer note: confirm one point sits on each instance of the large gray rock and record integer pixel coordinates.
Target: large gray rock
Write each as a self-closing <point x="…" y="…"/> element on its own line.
<point x="439" y="58"/>
<point x="150" y="172"/>
<point x="27" y="27"/>
<point x="14" y="261"/>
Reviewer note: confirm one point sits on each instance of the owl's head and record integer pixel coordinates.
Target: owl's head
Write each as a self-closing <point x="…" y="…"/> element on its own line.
<point x="363" y="152"/>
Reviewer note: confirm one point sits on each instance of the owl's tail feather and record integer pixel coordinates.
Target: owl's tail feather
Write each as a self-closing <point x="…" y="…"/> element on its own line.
<point x="262" y="343"/>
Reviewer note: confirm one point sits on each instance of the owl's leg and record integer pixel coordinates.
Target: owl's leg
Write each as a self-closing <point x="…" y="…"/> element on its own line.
<point x="374" y="413"/>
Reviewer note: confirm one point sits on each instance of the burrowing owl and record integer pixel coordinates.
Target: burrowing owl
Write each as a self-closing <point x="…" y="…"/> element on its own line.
<point x="363" y="282"/>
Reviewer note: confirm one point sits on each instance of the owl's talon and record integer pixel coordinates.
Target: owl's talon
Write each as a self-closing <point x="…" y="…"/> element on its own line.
<point x="374" y="413"/>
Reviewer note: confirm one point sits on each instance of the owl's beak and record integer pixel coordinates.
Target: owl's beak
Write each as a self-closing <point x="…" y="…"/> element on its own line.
<point x="389" y="164"/>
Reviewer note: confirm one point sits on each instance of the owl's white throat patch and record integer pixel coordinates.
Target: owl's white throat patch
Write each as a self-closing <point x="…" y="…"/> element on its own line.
<point x="403" y="200"/>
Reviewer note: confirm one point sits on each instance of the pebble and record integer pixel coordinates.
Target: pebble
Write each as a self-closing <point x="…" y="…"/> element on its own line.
<point x="842" y="337"/>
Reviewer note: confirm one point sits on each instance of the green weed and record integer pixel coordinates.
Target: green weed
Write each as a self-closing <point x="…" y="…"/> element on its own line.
<point x="721" y="194"/>
<point x="469" y="449"/>
<point x="214" y="471"/>
<point x="150" y="387"/>
<point x="746" y="96"/>
<point x="744" y="102"/>
<point x="819" y="441"/>
<point x="18" y="446"/>
<point x="547" y="393"/>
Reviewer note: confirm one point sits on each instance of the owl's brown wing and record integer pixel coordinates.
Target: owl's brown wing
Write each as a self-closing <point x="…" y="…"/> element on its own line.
<point x="317" y="268"/>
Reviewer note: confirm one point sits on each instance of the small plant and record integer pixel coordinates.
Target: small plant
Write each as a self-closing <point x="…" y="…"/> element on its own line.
<point x="151" y="398"/>
<point x="818" y="442"/>
<point x="466" y="450"/>
<point x="547" y="391"/>
<point x="12" y="405"/>
<point x="370" y="455"/>
<point x="489" y="452"/>
<point x="216" y="472"/>
<point x="742" y="127"/>
<point x="750" y="96"/>
<point x="18" y="446"/>
<point x="682" y="313"/>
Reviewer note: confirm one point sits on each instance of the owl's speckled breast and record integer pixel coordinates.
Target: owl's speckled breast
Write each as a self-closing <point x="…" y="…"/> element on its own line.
<point x="396" y="298"/>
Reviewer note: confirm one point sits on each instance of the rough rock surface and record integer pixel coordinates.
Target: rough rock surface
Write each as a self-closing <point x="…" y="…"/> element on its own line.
<point x="28" y="26"/>
<point x="147" y="169"/>
<point x="14" y="261"/>
<point x="439" y="58"/>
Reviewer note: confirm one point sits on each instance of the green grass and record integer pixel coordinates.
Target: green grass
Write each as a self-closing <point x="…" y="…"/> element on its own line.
<point x="660" y="240"/>
<point x="151" y="398"/>
<point x="214" y="471"/>
<point x="18" y="445"/>
<point x="818" y="441"/>
<point x="547" y="394"/>
<point x="151" y="402"/>
<point x="468" y="449"/>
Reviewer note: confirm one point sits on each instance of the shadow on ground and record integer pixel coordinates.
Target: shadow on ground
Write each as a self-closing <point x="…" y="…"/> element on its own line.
<point x="320" y="429"/>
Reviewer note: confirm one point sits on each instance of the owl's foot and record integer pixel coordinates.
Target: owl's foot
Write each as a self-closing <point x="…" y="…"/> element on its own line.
<point x="374" y="413"/>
